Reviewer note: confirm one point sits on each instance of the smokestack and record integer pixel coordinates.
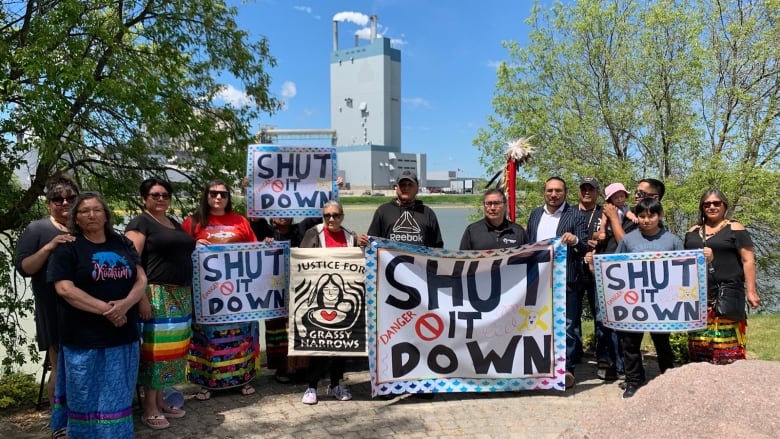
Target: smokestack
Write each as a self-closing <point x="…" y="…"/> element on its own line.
<point x="335" y="35"/>
<point x="373" y="28"/>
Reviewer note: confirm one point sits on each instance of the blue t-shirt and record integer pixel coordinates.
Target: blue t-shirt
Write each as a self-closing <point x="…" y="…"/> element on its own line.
<point x="106" y="271"/>
<point x="636" y="242"/>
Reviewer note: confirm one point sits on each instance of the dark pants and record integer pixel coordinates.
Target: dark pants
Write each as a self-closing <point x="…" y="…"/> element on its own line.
<point x="319" y="365"/>
<point x="632" y="355"/>
<point x="608" y="347"/>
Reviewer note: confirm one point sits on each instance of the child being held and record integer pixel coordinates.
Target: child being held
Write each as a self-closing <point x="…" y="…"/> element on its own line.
<point x="616" y="194"/>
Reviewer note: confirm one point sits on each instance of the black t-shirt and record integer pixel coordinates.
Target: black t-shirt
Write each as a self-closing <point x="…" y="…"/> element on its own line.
<point x="106" y="271"/>
<point x="167" y="255"/>
<point x="35" y="236"/>
<point x="482" y="235"/>
<point x="416" y="224"/>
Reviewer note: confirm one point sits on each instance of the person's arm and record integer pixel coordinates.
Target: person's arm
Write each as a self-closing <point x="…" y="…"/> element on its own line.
<point x="119" y="308"/>
<point x="748" y="257"/>
<point x="465" y="240"/>
<point x="614" y="221"/>
<point x="34" y="262"/>
<point x="437" y="241"/>
<point x="139" y="241"/>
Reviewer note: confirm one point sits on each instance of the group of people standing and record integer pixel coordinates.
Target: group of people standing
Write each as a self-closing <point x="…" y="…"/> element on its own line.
<point x="94" y="288"/>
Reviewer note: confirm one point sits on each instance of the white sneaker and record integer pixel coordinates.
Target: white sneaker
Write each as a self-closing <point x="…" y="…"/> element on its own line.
<point x="310" y="397"/>
<point x="339" y="393"/>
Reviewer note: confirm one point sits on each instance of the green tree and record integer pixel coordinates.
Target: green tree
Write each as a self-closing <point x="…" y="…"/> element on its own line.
<point x="683" y="91"/>
<point x="112" y="91"/>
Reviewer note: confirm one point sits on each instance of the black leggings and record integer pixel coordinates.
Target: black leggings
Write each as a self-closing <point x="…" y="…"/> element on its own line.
<point x="319" y="365"/>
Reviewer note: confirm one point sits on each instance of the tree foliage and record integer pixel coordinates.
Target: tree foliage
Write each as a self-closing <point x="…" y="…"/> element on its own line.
<point x="112" y="91"/>
<point x="684" y="91"/>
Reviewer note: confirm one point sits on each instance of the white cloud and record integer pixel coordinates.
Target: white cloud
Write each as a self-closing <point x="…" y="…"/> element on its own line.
<point x="289" y="90"/>
<point x="353" y="17"/>
<point x="307" y="10"/>
<point x="234" y="96"/>
<point x="397" y="42"/>
<point x="416" y="102"/>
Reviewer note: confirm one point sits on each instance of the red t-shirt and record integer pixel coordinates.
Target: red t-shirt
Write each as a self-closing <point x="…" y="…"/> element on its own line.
<point x="338" y="239"/>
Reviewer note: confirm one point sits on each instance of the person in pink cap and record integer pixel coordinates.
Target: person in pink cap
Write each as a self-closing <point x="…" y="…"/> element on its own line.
<point x="616" y="194"/>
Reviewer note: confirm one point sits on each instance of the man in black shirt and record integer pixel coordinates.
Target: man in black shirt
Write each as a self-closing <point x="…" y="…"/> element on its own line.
<point x="494" y="230"/>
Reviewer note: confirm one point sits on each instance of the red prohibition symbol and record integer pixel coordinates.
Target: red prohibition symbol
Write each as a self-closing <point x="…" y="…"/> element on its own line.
<point x="277" y="186"/>
<point x="631" y="297"/>
<point x="429" y="326"/>
<point x="226" y="288"/>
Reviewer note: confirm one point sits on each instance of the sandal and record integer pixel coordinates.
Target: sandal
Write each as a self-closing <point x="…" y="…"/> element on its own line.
<point x="203" y="395"/>
<point x="156" y="422"/>
<point x="247" y="390"/>
<point x="61" y="433"/>
<point x="173" y="412"/>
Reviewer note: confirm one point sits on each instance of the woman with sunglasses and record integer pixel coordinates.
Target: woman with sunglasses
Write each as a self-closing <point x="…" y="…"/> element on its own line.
<point x="328" y="234"/>
<point x="731" y="260"/>
<point x="33" y="249"/>
<point x="222" y="356"/>
<point x="166" y="309"/>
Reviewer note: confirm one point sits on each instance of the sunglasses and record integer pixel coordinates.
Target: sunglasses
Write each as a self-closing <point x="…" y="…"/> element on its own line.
<point x="643" y="195"/>
<point x="160" y="196"/>
<point x="707" y="204"/>
<point x="59" y="200"/>
<point x="328" y="216"/>
<point x="493" y="203"/>
<point x="215" y="194"/>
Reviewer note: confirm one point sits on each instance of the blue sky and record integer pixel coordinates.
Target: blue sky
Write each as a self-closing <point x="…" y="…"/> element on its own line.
<point x="449" y="53"/>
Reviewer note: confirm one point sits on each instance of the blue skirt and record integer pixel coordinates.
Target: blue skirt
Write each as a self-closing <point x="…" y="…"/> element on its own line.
<point x="93" y="396"/>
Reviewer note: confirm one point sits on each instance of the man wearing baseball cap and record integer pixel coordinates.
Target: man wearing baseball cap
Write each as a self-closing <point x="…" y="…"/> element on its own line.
<point x="608" y="355"/>
<point x="405" y="219"/>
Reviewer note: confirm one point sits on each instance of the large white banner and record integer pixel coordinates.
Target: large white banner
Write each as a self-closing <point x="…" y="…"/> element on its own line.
<point x="240" y="282"/>
<point x="658" y="292"/>
<point x="290" y="181"/>
<point x="327" y="302"/>
<point x="457" y="321"/>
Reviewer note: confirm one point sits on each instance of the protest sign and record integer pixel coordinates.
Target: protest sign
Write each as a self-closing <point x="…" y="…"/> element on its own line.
<point x="240" y="282"/>
<point x="465" y="321"/>
<point x="658" y="292"/>
<point x="290" y="181"/>
<point x="327" y="302"/>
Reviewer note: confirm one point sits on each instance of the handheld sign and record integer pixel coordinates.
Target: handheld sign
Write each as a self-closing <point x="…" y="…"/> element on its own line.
<point x="658" y="292"/>
<point x="465" y="321"/>
<point x="290" y="181"/>
<point x="327" y="302"/>
<point x="240" y="282"/>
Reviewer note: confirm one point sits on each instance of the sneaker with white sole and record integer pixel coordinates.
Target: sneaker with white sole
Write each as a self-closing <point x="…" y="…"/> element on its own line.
<point x="310" y="397"/>
<point x="339" y="393"/>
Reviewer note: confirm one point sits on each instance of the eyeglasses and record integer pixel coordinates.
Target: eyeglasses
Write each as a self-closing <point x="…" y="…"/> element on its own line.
<point x="160" y="196"/>
<point x="643" y="194"/>
<point x="707" y="204"/>
<point x="86" y="212"/>
<point x="215" y="194"/>
<point x="59" y="200"/>
<point x="328" y="216"/>
<point x="493" y="203"/>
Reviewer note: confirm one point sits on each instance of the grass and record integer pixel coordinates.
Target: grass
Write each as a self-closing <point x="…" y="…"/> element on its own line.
<point x="762" y="334"/>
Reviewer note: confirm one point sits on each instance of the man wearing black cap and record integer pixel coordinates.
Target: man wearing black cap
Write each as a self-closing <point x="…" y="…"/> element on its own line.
<point x="405" y="219"/>
<point x="608" y="355"/>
